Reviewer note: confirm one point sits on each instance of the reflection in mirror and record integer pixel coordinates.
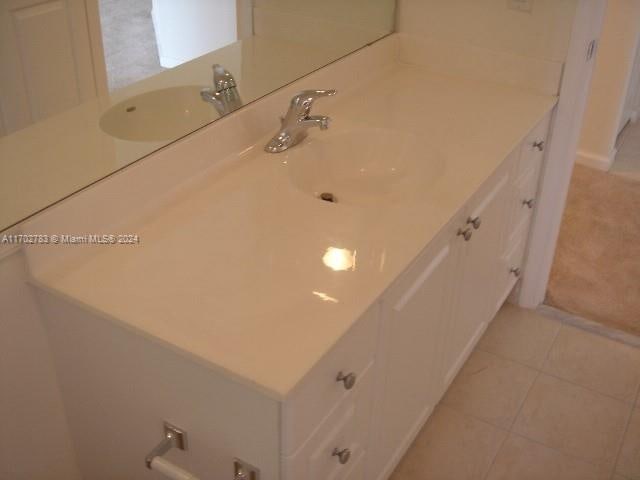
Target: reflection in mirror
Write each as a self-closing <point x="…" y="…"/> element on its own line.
<point x="91" y="86"/>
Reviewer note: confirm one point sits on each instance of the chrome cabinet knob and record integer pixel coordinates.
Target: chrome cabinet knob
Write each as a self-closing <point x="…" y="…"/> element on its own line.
<point x="475" y="222"/>
<point x="343" y="455"/>
<point x="529" y="203"/>
<point x="516" y="272"/>
<point x="348" y="380"/>
<point x="539" y="145"/>
<point x="467" y="233"/>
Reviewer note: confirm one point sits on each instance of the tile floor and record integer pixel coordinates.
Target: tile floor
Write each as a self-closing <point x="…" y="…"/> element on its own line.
<point x="539" y="400"/>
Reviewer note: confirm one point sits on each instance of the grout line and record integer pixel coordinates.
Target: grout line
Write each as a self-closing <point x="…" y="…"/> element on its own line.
<point x="621" y="442"/>
<point x="551" y="345"/>
<point x="628" y="403"/>
<point x="481" y="420"/>
<point x="631" y="403"/>
<point x="553" y="375"/>
<point x="504" y="357"/>
<point x="524" y="400"/>
<point x="595" y="466"/>
<point x="493" y="460"/>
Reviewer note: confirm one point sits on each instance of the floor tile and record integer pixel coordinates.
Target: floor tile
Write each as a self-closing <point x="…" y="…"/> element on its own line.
<point x="520" y="335"/>
<point x="522" y="459"/>
<point x="595" y="362"/>
<point x="490" y="388"/>
<point x="574" y="420"/>
<point x="629" y="460"/>
<point x="451" y="446"/>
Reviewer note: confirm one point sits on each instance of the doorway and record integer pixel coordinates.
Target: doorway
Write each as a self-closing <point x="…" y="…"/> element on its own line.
<point x="596" y="270"/>
<point x="129" y="39"/>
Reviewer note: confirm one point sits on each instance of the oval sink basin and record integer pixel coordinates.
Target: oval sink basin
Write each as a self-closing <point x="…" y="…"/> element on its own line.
<point x="159" y="115"/>
<point x="363" y="166"/>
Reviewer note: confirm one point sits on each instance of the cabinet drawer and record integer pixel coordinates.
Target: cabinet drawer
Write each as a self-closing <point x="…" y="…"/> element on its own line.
<point x="321" y="391"/>
<point x="524" y="202"/>
<point x="534" y="147"/>
<point x="347" y="427"/>
<point x="511" y="266"/>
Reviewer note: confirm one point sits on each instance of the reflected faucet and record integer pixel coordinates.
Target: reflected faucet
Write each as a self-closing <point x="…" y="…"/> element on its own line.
<point x="298" y="120"/>
<point x="224" y="94"/>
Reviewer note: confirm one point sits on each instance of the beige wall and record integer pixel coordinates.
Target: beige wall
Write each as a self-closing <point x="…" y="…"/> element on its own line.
<point x="34" y="442"/>
<point x="610" y="83"/>
<point x="335" y="25"/>
<point x="543" y="33"/>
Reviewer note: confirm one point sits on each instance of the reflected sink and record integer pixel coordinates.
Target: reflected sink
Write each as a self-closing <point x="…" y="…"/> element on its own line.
<point x="159" y="115"/>
<point x="363" y="166"/>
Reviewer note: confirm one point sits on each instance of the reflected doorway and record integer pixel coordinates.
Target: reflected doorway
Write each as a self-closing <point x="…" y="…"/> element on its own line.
<point x="129" y="40"/>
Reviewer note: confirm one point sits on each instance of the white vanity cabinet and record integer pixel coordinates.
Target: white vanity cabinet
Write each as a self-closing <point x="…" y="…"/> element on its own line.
<point x="354" y="414"/>
<point x="434" y="314"/>
<point x="326" y="419"/>
<point x="525" y="166"/>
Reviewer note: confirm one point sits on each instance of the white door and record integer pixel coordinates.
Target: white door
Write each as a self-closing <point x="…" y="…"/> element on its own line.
<point x="46" y="59"/>
<point x="414" y="314"/>
<point x="476" y="286"/>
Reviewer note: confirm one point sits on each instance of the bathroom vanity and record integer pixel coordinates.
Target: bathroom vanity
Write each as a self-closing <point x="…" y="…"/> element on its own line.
<point x="308" y="339"/>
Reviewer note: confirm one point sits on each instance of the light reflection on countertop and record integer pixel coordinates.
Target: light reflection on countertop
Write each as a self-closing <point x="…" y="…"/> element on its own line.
<point x="340" y="259"/>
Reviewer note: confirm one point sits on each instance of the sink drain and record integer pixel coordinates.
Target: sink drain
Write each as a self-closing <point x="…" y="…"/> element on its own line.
<point x="328" y="197"/>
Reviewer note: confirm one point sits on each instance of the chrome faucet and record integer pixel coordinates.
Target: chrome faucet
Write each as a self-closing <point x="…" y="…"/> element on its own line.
<point x="224" y="94"/>
<point x="298" y="120"/>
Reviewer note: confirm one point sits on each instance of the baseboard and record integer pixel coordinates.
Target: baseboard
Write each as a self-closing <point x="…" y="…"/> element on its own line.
<point x="593" y="160"/>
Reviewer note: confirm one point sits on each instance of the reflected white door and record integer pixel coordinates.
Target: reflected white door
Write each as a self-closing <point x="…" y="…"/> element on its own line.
<point x="46" y="59"/>
<point x="190" y="28"/>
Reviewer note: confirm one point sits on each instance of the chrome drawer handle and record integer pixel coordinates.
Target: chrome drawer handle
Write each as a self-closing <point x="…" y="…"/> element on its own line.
<point x="539" y="145"/>
<point x="516" y="272"/>
<point x="343" y="455"/>
<point x="475" y="222"/>
<point x="529" y="203"/>
<point x="348" y="380"/>
<point x="467" y="233"/>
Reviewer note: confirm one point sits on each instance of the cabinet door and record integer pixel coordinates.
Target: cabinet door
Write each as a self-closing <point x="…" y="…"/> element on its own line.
<point x="476" y="279"/>
<point x="415" y="311"/>
<point x="46" y="55"/>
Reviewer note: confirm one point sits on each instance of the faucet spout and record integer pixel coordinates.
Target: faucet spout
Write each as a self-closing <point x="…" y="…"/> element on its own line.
<point x="298" y="120"/>
<point x="224" y="96"/>
<point x="319" y="121"/>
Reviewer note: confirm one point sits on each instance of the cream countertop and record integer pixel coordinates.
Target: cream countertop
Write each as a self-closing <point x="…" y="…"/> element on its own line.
<point x="231" y="272"/>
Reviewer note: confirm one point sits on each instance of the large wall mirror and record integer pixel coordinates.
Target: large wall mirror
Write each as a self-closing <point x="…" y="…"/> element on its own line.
<point x="89" y="86"/>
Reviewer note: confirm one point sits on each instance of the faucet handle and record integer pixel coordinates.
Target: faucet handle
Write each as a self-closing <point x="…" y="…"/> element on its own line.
<point x="222" y="78"/>
<point x="303" y="101"/>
